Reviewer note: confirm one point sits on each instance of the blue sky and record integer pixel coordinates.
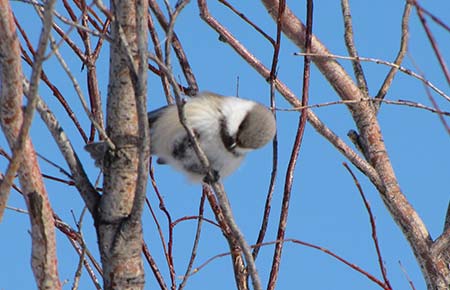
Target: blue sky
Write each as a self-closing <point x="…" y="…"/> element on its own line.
<point x="325" y="208"/>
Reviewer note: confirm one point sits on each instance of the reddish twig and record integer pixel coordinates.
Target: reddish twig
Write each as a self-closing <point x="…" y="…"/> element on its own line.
<point x="196" y="241"/>
<point x="432" y="100"/>
<point x="306" y="244"/>
<point x="434" y="44"/>
<point x="194" y="217"/>
<point x="56" y="92"/>
<point x="251" y="23"/>
<point x="297" y="144"/>
<point x="167" y="249"/>
<point x="272" y="77"/>
<point x="373" y="226"/>
<point x="178" y="49"/>
<point x="154" y="267"/>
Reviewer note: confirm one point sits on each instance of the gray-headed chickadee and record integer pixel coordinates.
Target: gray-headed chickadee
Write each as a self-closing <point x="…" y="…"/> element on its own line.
<point x="226" y="129"/>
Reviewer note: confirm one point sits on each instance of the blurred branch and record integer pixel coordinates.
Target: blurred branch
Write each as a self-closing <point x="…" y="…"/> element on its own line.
<point x="27" y="116"/>
<point x="154" y="267"/>
<point x="431" y="98"/>
<point x="434" y="44"/>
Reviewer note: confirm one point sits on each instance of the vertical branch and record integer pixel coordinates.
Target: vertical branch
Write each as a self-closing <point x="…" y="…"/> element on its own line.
<point x="18" y="142"/>
<point x="272" y="77"/>
<point x="118" y="221"/>
<point x="351" y="48"/>
<point x="296" y="149"/>
<point x="158" y="52"/>
<point x="15" y="125"/>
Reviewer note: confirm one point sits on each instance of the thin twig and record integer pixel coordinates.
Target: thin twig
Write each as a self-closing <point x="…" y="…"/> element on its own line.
<point x="166" y="248"/>
<point x="435" y="19"/>
<point x="273" y="175"/>
<point x="251" y="23"/>
<point x="84" y="186"/>
<point x="432" y="100"/>
<point x="76" y="279"/>
<point x="289" y="179"/>
<point x="383" y="62"/>
<point x="50" y="85"/>
<point x="398" y="60"/>
<point x="81" y="97"/>
<point x="306" y="244"/>
<point x="373" y="226"/>
<point x="158" y="52"/>
<point x="273" y="71"/>
<point x="289" y="96"/>
<point x="178" y="49"/>
<point x="351" y="48"/>
<point x="154" y="267"/>
<point x="434" y="44"/>
<point x="410" y="282"/>
<point x="196" y="242"/>
<point x="375" y="101"/>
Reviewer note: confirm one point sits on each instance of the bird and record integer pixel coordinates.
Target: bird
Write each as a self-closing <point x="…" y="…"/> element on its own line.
<point x="226" y="128"/>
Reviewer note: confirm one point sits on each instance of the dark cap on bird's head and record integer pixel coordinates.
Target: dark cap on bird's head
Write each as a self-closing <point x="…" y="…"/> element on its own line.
<point x="257" y="128"/>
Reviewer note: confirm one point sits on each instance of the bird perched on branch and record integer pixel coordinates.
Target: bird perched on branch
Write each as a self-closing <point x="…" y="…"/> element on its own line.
<point x="226" y="128"/>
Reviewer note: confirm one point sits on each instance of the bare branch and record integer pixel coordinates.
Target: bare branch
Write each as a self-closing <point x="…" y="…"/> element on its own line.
<point x="373" y="226"/>
<point x="349" y="42"/>
<point x="433" y="42"/>
<point x="289" y="179"/>
<point x="84" y="186"/>
<point x="383" y="62"/>
<point x="196" y="242"/>
<point x="398" y="60"/>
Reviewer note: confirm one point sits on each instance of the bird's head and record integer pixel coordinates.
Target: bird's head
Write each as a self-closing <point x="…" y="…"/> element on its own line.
<point x="257" y="128"/>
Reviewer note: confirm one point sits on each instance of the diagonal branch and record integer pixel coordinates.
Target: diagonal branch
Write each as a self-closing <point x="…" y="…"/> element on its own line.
<point x="401" y="210"/>
<point x="398" y="60"/>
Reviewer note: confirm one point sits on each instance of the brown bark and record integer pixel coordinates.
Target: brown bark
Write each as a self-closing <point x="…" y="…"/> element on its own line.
<point x="120" y="237"/>
<point x="436" y="276"/>
<point x="43" y="259"/>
